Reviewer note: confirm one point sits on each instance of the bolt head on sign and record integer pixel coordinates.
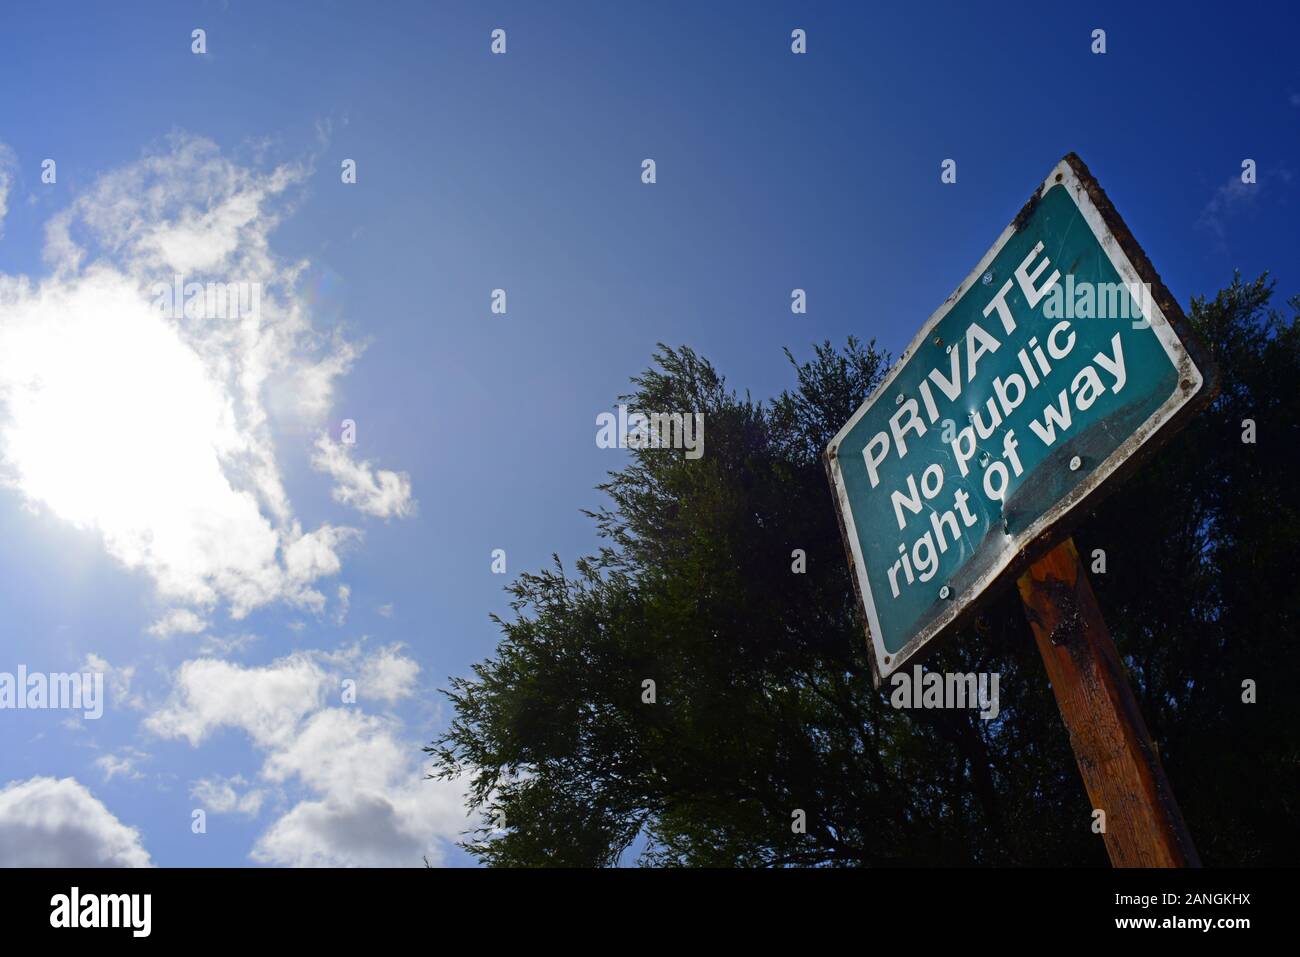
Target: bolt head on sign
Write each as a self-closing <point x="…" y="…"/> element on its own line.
<point x="1066" y="361"/>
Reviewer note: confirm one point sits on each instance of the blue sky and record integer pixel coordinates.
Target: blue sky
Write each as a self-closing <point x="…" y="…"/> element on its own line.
<point x="476" y="172"/>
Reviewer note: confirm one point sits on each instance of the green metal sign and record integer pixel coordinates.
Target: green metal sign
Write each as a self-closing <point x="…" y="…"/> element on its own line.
<point x="1056" y="361"/>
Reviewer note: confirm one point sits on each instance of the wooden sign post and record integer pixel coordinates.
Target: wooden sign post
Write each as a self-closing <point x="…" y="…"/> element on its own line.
<point x="1115" y="753"/>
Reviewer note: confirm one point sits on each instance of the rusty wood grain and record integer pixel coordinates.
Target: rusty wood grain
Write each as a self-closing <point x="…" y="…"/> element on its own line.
<point x="1116" y="756"/>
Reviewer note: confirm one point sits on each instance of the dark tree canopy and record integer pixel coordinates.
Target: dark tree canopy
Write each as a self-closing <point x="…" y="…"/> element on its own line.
<point x="764" y="697"/>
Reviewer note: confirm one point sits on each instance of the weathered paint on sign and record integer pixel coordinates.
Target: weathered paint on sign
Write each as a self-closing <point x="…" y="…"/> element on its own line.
<point x="1058" y="358"/>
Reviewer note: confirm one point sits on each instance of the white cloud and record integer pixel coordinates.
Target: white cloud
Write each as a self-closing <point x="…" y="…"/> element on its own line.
<point x="364" y="801"/>
<point x="178" y="621"/>
<point x="223" y="795"/>
<point x="1228" y="199"/>
<point x="159" y="430"/>
<point x="367" y="828"/>
<point x="377" y="492"/>
<point x="7" y="163"/>
<point x="372" y="809"/>
<point x="387" y="676"/>
<point x="344" y="603"/>
<point x="118" y="680"/>
<point x="363" y="831"/>
<point x="214" y="645"/>
<point x="46" y="822"/>
<point x="120" y="764"/>
<point x="265" y="702"/>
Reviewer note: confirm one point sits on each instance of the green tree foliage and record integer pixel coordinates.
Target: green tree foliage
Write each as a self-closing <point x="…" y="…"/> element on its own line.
<point x="764" y="703"/>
